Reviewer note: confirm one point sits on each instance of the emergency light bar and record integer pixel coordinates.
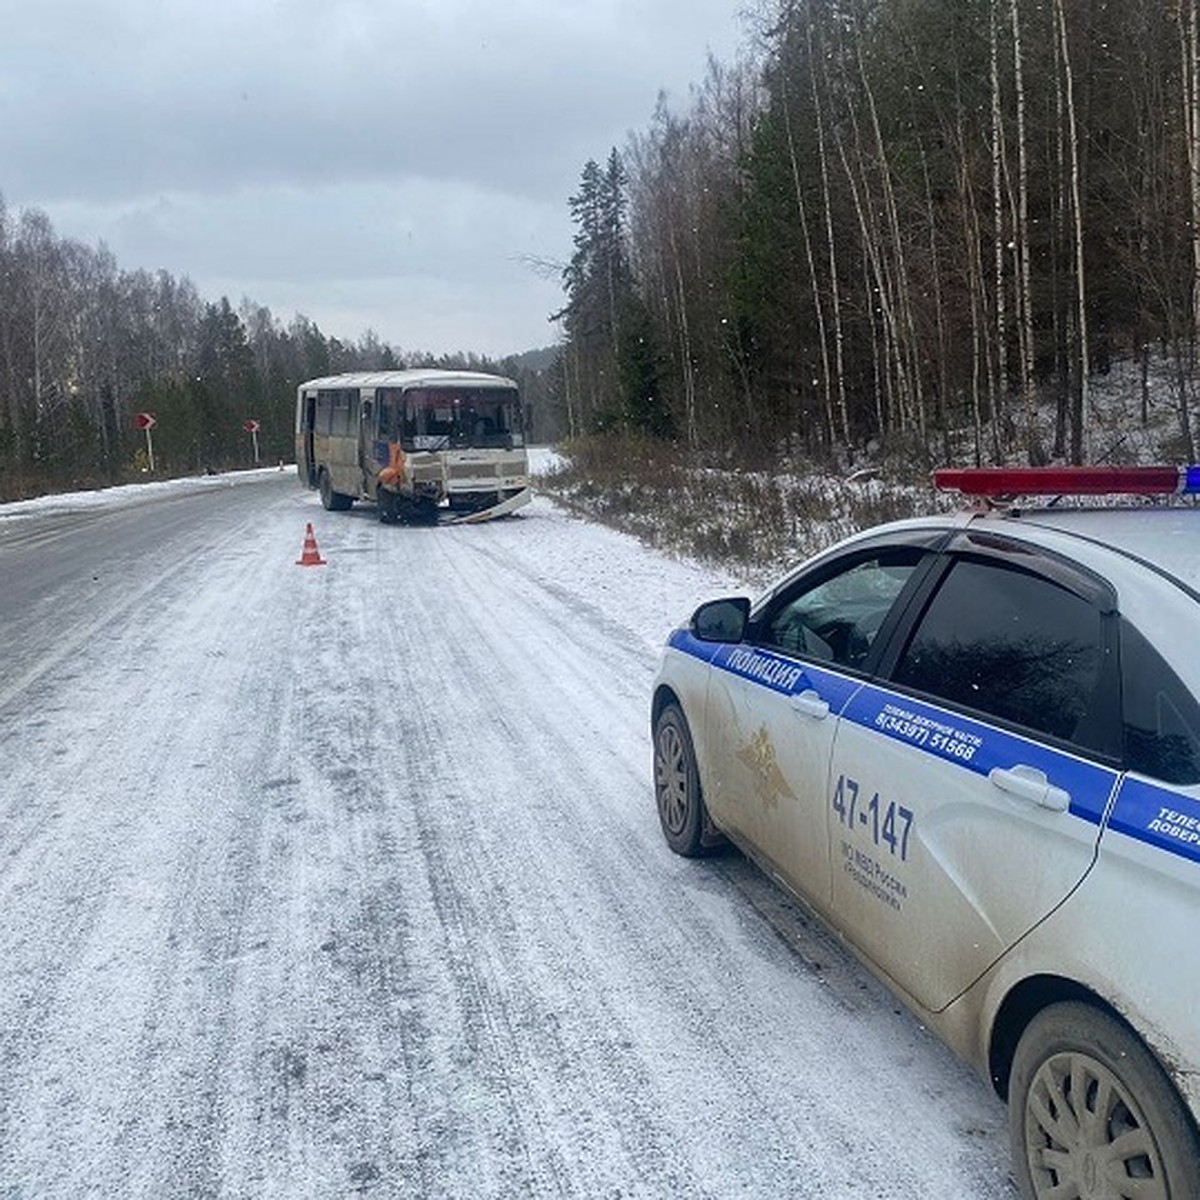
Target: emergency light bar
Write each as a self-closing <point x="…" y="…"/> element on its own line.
<point x="1069" y="481"/>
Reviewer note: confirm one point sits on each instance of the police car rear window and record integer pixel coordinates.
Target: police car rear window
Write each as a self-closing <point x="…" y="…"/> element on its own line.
<point x="1013" y="645"/>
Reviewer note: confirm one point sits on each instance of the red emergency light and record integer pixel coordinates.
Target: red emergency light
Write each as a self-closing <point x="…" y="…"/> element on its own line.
<point x="1069" y="481"/>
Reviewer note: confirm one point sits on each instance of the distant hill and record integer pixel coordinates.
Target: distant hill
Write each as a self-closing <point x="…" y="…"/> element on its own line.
<point x="534" y="360"/>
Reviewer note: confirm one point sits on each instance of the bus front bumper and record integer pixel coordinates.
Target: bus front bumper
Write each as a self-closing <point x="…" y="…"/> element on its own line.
<point x="502" y="509"/>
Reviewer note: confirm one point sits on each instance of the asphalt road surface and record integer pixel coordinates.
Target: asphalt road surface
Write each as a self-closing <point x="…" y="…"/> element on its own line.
<point x="346" y="879"/>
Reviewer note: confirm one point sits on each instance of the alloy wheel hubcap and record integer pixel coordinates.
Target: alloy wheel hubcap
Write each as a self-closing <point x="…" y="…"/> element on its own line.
<point x="1086" y="1136"/>
<point x="671" y="773"/>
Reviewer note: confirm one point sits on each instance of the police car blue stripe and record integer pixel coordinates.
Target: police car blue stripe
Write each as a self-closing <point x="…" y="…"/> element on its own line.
<point x="783" y="675"/>
<point x="1161" y="817"/>
<point x="683" y="640"/>
<point x="978" y="747"/>
<point x="956" y="739"/>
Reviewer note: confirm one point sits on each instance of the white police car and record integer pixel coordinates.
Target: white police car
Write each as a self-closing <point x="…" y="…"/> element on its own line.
<point x="972" y="744"/>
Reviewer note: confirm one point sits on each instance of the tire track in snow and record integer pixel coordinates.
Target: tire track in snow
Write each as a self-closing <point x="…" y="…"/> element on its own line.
<point x="602" y="847"/>
<point x="648" y="1142"/>
<point x="491" y="1154"/>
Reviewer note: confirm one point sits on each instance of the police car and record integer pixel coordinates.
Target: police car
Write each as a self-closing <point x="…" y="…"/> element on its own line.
<point x="972" y="744"/>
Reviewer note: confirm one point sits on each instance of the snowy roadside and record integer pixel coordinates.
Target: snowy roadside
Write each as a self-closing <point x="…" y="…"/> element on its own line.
<point x="128" y="493"/>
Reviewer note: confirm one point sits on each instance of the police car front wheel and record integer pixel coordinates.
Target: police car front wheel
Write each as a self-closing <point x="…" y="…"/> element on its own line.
<point x="1092" y="1114"/>
<point x="677" y="785"/>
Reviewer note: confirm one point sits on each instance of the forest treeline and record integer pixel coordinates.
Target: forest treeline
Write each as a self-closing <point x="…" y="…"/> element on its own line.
<point x="910" y="227"/>
<point x="917" y="226"/>
<point x="86" y="345"/>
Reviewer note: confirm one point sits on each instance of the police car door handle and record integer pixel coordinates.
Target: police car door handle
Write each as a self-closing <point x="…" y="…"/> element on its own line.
<point x="1028" y="783"/>
<point x="810" y="704"/>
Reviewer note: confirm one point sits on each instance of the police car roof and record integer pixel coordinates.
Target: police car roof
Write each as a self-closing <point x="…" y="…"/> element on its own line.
<point x="1165" y="536"/>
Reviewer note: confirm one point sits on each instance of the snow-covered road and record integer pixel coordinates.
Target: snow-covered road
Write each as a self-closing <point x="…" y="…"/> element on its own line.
<point x="339" y="880"/>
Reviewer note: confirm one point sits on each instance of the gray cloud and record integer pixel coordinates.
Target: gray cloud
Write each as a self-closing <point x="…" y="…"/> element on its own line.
<point x="380" y="152"/>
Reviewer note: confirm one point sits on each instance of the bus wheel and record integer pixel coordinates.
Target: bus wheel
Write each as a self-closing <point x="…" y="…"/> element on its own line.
<point x="331" y="500"/>
<point x="417" y="510"/>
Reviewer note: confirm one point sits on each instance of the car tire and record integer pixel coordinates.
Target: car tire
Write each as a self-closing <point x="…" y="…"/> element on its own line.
<point x="1089" y="1106"/>
<point x="681" y="811"/>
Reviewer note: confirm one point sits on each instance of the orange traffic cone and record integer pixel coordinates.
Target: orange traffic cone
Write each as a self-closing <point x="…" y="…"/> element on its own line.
<point x="311" y="556"/>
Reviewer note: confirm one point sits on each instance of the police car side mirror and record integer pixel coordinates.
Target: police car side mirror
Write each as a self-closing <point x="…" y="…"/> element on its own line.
<point x="721" y="620"/>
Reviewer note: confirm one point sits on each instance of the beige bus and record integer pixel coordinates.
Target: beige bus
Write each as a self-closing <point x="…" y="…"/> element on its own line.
<point x="420" y="444"/>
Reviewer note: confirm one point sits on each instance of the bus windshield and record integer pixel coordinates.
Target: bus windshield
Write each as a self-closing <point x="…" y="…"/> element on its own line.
<point x="440" y="418"/>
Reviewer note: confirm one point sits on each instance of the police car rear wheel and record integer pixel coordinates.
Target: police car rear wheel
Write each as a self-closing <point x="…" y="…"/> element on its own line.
<point x="1091" y="1113"/>
<point x="677" y="784"/>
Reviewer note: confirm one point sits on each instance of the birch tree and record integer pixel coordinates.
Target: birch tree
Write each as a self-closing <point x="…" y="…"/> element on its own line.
<point x="1021" y="244"/>
<point x="1080" y="425"/>
<point x="1189" y="39"/>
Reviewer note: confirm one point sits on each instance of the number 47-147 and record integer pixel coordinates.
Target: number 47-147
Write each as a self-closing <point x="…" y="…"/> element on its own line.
<point x="873" y="816"/>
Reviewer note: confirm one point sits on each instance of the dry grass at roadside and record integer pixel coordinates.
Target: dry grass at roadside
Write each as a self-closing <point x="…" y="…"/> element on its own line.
<point x="757" y="522"/>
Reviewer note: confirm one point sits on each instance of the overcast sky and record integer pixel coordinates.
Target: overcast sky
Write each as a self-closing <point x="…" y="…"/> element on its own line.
<point x="373" y="164"/>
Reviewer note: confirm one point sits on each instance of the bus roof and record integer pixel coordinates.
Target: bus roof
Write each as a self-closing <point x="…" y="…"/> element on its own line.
<point x="408" y="379"/>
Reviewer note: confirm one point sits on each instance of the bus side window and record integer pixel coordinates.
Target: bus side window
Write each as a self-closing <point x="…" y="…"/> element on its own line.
<point x="341" y="420"/>
<point x="325" y="413"/>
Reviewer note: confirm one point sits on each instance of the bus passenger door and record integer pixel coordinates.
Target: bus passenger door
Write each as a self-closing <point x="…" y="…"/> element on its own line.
<point x="308" y="454"/>
<point x="366" y="444"/>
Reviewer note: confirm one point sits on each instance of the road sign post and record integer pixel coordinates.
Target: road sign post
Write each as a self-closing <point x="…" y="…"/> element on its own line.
<point x="146" y="421"/>
<point x="252" y="427"/>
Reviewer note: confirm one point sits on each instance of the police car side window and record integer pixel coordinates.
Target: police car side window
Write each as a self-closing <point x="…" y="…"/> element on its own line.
<point x="1013" y="645"/>
<point x="837" y="618"/>
<point x="1161" y="718"/>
